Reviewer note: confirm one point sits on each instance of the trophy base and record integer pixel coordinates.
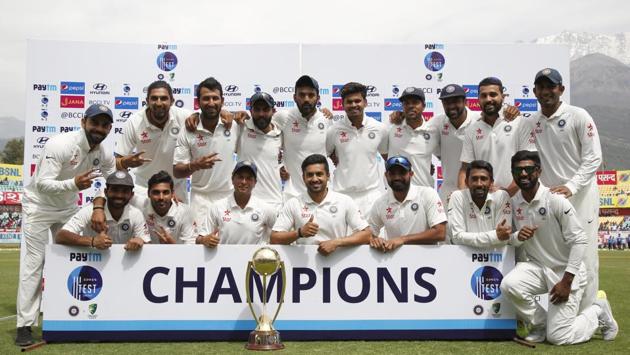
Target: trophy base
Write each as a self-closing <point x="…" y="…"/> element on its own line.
<point x="264" y="340"/>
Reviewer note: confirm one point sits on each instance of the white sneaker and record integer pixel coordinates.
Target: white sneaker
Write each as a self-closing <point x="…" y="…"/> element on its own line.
<point x="537" y="334"/>
<point x="607" y="323"/>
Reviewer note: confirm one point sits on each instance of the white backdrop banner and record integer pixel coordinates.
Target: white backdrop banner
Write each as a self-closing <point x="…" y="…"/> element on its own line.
<point x="117" y="75"/>
<point x="192" y="292"/>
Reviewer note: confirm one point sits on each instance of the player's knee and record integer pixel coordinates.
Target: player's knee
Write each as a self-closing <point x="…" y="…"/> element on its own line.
<point x="509" y="285"/>
<point x="559" y="335"/>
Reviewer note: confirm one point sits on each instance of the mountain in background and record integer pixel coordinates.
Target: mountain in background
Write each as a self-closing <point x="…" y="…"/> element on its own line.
<point x="600" y="83"/>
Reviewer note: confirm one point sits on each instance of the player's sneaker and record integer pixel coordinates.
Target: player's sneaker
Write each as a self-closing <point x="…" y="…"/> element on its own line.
<point x="24" y="336"/>
<point x="607" y="323"/>
<point x="537" y="334"/>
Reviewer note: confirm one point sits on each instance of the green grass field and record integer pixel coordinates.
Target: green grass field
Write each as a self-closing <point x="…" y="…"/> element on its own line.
<point x="615" y="279"/>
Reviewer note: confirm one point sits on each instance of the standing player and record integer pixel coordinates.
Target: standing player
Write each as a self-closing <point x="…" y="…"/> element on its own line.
<point x="413" y="138"/>
<point x="168" y="222"/>
<point x="476" y="216"/>
<point x="570" y="153"/>
<point x="260" y="143"/>
<point x="492" y="138"/>
<point x="68" y="164"/>
<point x="148" y="140"/>
<point x="304" y="133"/>
<point x="552" y="237"/>
<point x="356" y="140"/>
<point x="207" y="155"/>
<point x="125" y="223"/>
<point x="410" y="214"/>
<point x="242" y="218"/>
<point x="321" y="216"/>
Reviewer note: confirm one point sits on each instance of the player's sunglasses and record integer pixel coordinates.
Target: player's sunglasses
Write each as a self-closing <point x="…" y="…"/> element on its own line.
<point x="398" y="160"/>
<point x="528" y="169"/>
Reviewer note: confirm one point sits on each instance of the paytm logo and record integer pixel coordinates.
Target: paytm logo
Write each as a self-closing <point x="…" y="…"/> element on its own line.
<point x="526" y="104"/>
<point x="126" y="103"/>
<point x="392" y="104"/>
<point x="336" y="90"/>
<point x="471" y="90"/>
<point x="72" y="88"/>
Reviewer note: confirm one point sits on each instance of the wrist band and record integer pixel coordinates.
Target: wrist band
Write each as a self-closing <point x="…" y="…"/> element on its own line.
<point x="98" y="208"/>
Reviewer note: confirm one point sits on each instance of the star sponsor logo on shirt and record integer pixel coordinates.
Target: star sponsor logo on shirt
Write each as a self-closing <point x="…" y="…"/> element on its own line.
<point x="479" y="134"/>
<point x="538" y="129"/>
<point x="389" y="213"/>
<point x="74" y="160"/>
<point x="200" y="140"/>
<point x="445" y="129"/>
<point x="295" y="127"/>
<point x="251" y="134"/>
<point x="343" y="137"/>
<point x="144" y="137"/>
<point x="519" y="214"/>
<point x="226" y="216"/>
<point x="398" y="133"/>
<point x="305" y="212"/>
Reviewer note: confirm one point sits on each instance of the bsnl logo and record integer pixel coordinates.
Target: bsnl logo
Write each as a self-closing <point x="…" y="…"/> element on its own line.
<point x="83" y="257"/>
<point x="487" y="257"/>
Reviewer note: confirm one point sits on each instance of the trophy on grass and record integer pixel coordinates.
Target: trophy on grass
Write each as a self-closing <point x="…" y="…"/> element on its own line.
<point x="265" y="262"/>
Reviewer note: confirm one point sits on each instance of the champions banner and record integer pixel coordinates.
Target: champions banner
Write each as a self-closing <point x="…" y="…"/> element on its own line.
<point x="184" y="292"/>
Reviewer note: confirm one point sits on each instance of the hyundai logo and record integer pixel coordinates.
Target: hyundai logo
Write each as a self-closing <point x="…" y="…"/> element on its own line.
<point x="42" y="140"/>
<point x="231" y="88"/>
<point x="371" y="88"/>
<point x="125" y="114"/>
<point x="99" y="87"/>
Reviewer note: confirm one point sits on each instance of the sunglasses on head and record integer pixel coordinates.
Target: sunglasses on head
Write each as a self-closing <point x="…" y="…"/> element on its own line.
<point x="398" y="160"/>
<point x="528" y="169"/>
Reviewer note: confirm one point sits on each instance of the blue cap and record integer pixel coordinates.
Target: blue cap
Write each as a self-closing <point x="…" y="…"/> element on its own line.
<point x="398" y="160"/>
<point x="246" y="164"/>
<point x="549" y="73"/>
<point x="98" y="109"/>
<point x="262" y="96"/>
<point x="452" y="90"/>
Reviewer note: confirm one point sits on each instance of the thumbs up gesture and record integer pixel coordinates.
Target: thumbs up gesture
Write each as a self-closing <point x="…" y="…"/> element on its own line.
<point x="310" y="228"/>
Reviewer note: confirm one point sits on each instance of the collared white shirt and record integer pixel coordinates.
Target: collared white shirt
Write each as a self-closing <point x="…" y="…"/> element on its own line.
<point x="568" y="144"/>
<point x="191" y="146"/>
<point x="335" y="215"/>
<point x="417" y="145"/>
<point x="264" y="150"/>
<point x="496" y="145"/>
<point x="65" y="156"/>
<point x="302" y="138"/>
<point x="449" y="148"/>
<point x="420" y="210"/>
<point x="131" y="224"/>
<point x="474" y="226"/>
<point x="236" y="225"/>
<point x="178" y="222"/>
<point x="158" y="144"/>
<point x="357" y="151"/>
<point x="559" y="242"/>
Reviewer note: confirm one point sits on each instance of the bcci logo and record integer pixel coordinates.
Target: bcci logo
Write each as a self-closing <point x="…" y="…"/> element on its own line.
<point x="85" y="283"/>
<point x="486" y="282"/>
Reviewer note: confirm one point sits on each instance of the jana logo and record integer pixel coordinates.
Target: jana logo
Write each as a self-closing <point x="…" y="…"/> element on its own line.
<point x="167" y="61"/>
<point x="85" y="283"/>
<point x="434" y="61"/>
<point x="486" y="282"/>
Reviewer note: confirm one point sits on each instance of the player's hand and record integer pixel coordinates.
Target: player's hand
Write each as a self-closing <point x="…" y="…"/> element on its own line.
<point x="327" y="247"/>
<point x="327" y="113"/>
<point x="396" y="117"/>
<point x="133" y="160"/>
<point x="394" y="244"/>
<point x="378" y="243"/>
<point x="205" y="162"/>
<point x="309" y="229"/>
<point x="211" y="240"/>
<point x="164" y="235"/>
<point x="503" y="230"/>
<point x="510" y="113"/>
<point x="84" y="180"/>
<point x="526" y="233"/>
<point x="192" y="122"/>
<point x="226" y="118"/>
<point x="102" y="241"/>
<point x="284" y="174"/>
<point x="334" y="158"/>
<point x="560" y="292"/>
<point x="240" y="117"/>
<point x="562" y="189"/>
<point x="494" y="188"/>
<point x="99" y="224"/>
<point x="176" y="200"/>
<point x="134" y="243"/>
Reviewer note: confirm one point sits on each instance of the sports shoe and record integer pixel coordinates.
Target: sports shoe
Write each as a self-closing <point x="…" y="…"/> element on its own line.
<point x="24" y="336"/>
<point x="607" y="323"/>
<point x="537" y="334"/>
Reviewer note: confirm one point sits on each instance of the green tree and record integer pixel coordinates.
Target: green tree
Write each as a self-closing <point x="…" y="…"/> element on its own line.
<point x="13" y="152"/>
